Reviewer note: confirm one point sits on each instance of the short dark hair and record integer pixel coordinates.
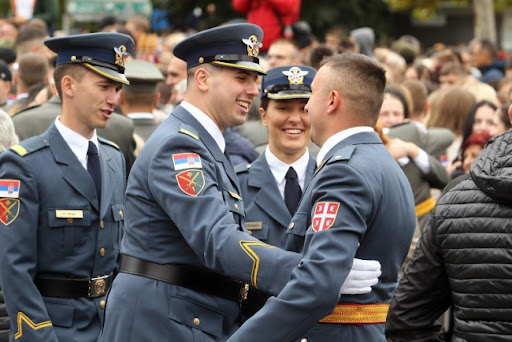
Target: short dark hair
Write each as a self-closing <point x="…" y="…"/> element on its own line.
<point x="76" y="71"/>
<point x="361" y="80"/>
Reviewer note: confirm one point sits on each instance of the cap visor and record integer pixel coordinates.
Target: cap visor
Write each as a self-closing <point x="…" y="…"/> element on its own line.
<point x="242" y="65"/>
<point x="289" y="94"/>
<point x="108" y="73"/>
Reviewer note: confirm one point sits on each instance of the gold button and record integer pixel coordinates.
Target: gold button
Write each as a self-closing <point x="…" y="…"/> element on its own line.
<point x="291" y="225"/>
<point x="73" y="58"/>
<point x="304" y="340"/>
<point x="250" y="232"/>
<point x="197" y="321"/>
<point x="70" y="220"/>
<point x="236" y="206"/>
<point x="121" y="213"/>
<point x="201" y="60"/>
<point x="102" y="224"/>
<point x="102" y="304"/>
<point x="102" y="252"/>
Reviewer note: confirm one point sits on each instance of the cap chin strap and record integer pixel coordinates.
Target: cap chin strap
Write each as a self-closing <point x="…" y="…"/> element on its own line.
<point x="97" y="62"/>
<point x="228" y="59"/>
<point x="276" y="88"/>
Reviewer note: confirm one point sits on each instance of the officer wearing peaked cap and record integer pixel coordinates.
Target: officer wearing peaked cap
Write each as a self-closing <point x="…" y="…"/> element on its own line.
<point x="187" y="259"/>
<point x="140" y="97"/>
<point x="61" y="201"/>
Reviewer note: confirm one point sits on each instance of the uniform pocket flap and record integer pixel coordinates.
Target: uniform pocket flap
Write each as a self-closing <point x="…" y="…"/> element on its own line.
<point x="118" y="211"/>
<point x="298" y="225"/>
<point x="60" y="314"/>
<point x="196" y="316"/>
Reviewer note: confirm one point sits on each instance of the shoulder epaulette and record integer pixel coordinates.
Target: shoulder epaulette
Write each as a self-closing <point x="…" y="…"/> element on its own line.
<point x="108" y="142"/>
<point x="189" y="130"/>
<point x="30" y="145"/>
<point x="240" y="168"/>
<point x="342" y="154"/>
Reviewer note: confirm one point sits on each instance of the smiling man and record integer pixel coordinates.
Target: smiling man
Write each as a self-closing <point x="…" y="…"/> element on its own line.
<point x="61" y="201"/>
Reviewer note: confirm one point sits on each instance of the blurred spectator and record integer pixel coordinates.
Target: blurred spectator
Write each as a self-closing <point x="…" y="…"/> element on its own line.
<point x="472" y="147"/>
<point x="334" y="36"/>
<point x="31" y="39"/>
<point x="138" y="26"/>
<point x="501" y="119"/>
<point x="46" y="10"/>
<point x="483" y="53"/>
<point x="33" y="69"/>
<point x="283" y="52"/>
<point x="107" y="24"/>
<point x="462" y="259"/>
<point x="274" y="17"/>
<point x="8" y="33"/>
<point x="395" y="108"/>
<point x="449" y="110"/>
<point x="303" y="36"/>
<point x="5" y="84"/>
<point x="318" y="54"/>
<point x="365" y="39"/>
<point x="7" y="139"/>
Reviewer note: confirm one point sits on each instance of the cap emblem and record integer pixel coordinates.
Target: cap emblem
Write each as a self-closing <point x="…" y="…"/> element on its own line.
<point x="121" y="54"/>
<point x="253" y="46"/>
<point x="295" y="75"/>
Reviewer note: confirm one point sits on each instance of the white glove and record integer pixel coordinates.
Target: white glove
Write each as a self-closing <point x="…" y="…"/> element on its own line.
<point x="363" y="275"/>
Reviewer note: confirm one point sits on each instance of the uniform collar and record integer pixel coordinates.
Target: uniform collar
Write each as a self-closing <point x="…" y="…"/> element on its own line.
<point x="279" y="168"/>
<point x="336" y="138"/>
<point x="209" y="125"/>
<point x="78" y="144"/>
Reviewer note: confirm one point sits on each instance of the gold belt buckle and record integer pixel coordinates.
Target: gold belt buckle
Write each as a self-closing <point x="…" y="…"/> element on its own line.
<point x="244" y="291"/>
<point x="98" y="286"/>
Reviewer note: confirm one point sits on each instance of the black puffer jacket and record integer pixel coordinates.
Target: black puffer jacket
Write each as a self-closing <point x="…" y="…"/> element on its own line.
<point x="4" y="320"/>
<point x="464" y="258"/>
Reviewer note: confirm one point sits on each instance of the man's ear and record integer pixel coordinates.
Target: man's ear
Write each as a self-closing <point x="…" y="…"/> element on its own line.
<point x="510" y="113"/>
<point x="335" y="101"/>
<point x="201" y="79"/>
<point x="68" y="86"/>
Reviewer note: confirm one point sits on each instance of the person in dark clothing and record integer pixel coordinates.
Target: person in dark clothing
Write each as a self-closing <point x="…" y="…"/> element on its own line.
<point x="462" y="259"/>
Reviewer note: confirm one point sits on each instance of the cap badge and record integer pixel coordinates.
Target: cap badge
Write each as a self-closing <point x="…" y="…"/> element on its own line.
<point x="253" y="46"/>
<point x="295" y="75"/>
<point x="121" y="54"/>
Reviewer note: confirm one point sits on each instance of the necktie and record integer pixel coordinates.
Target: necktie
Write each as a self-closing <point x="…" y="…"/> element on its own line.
<point x="93" y="166"/>
<point x="292" y="191"/>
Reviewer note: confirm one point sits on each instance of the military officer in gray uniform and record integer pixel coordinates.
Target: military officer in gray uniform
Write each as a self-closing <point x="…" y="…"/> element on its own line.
<point x="185" y="246"/>
<point x="61" y="201"/>
<point x="358" y="204"/>
<point x="272" y="185"/>
<point x="36" y="120"/>
<point x="140" y="97"/>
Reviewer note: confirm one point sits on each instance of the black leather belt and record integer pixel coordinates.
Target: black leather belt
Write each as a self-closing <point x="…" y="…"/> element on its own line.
<point x="73" y="288"/>
<point x="190" y="277"/>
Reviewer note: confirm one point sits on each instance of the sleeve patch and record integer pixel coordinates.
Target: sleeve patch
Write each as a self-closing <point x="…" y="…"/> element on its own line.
<point x="191" y="182"/>
<point x="186" y="161"/>
<point x="324" y="216"/>
<point x="10" y="188"/>
<point x="9" y="210"/>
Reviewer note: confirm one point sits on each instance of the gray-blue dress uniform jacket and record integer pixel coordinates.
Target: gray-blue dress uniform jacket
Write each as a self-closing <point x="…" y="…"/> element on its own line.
<point x="42" y="242"/>
<point x="267" y="216"/>
<point x="375" y="220"/>
<point x="201" y="228"/>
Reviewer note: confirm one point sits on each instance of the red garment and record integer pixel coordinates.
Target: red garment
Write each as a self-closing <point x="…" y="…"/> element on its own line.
<point x="263" y="14"/>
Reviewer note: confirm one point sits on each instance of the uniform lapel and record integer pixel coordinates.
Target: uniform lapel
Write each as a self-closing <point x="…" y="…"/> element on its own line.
<point x="107" y="181"/>
<point x="73" y="171"/>
<point x="267" y="196"/>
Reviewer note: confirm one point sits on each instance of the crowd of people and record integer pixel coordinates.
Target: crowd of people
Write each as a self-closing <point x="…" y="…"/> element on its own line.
<point x="234" y="185"/>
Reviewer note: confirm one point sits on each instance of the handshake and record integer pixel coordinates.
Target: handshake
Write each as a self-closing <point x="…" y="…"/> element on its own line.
<point x="363" y="275"/>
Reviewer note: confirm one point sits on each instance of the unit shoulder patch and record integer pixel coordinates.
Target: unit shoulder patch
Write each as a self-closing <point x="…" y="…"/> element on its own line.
<point x="191" y="182"/>
<point x="9" y="210"/>
<point x="324" y="215"/>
